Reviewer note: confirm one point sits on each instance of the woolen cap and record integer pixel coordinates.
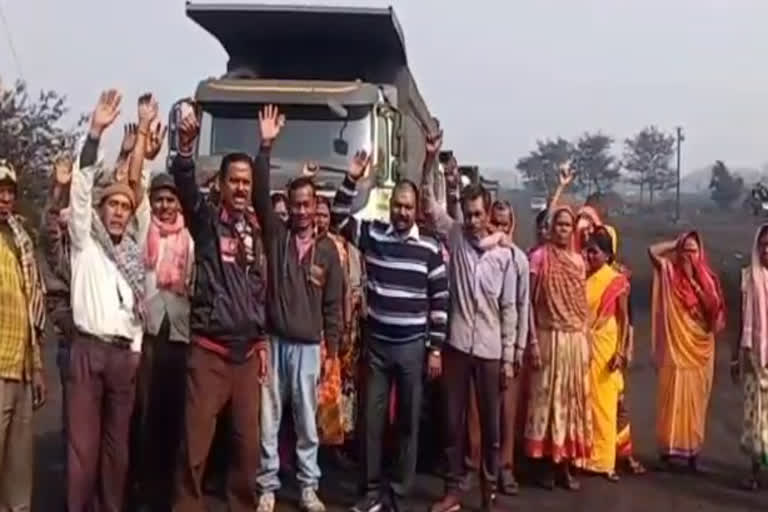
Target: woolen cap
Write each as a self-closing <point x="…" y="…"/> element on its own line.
<point x="163" y="180"/>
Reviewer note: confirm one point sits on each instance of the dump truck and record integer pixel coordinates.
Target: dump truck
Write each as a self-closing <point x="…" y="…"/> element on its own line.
<point x="341" y="78"/>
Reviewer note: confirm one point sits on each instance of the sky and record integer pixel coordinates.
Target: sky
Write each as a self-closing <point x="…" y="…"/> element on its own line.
<point x="499" y="74"/>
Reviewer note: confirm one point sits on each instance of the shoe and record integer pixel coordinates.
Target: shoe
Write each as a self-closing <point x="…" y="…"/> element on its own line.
<point x="509" y="485"/>
<point x="449" y="503"/>
<point x="488" y="501"/>
<point x="468" y="481"/>
<point x="370" y="503"/>
<point x="310" y="502"/>
<point x="266" y="502"/>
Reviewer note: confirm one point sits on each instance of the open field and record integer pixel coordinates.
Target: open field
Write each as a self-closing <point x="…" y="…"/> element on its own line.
<point x="727" y="238"/>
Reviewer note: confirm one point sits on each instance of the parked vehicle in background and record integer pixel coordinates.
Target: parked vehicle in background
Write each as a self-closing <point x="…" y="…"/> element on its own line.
<point x="538" y="203"/>
<point x="341" y="77"/>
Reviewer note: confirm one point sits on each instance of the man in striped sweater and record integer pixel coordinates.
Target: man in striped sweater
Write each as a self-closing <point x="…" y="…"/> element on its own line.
<point x="407" y="297"/>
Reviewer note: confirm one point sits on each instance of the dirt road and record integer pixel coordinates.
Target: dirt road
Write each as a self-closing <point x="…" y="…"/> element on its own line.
<point x="722" y="464"/>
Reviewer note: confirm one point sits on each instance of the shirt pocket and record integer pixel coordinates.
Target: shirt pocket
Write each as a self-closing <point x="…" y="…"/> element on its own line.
<point x="490" y="277"/>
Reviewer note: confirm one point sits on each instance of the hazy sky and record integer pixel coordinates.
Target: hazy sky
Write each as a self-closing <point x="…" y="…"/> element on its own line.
<point x="498" y="73"/>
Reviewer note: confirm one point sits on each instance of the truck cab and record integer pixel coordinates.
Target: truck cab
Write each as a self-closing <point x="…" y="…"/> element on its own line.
<point x="340" y="77"/>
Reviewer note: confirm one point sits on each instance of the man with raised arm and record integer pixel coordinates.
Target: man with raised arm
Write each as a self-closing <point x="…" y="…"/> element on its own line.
<point x="483" y="345"/>
<point x="407" y="297"/>
<point x="227" y="358"/>
<point x="304" y="307"/>
<point x="107" y="291"/>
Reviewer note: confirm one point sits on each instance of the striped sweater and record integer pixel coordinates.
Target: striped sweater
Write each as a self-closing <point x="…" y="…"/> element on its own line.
<point x="407" y="285"/>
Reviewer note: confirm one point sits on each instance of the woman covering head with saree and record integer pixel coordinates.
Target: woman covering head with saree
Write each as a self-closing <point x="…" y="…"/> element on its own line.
<point x="607" y="294"/>
<point x="751" y="356"/>
<point x="559" y="420"/>
<point x="688" y="309"/>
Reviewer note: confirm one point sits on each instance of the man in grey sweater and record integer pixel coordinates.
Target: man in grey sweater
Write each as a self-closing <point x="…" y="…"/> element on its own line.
<point x="483" y="344"/>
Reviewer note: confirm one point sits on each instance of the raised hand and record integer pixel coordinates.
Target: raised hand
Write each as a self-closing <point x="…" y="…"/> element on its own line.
<point x="271" y="121"/>
<point x="434" y="143"/>
<point x="129" y="138"/>
<point x="451" y="172"/>
<point x="309" y="170"/>
<point x="189" y="128"/>
<point x="62" y="169"/>
<point x="359" y="164"/>
<point x="566" y="173"/>
<point x="155" y="140"/>
<point x="106" y="111"/>
<point x="148" y="109"/>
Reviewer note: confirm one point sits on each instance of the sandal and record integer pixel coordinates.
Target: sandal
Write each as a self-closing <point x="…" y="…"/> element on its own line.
<point x="635" y="467"/>
<point x="612" y="477"/>
<point x="569" y="482"/>
<point x="751" y="484"/>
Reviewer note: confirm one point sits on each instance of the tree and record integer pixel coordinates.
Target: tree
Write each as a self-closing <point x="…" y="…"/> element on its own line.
<point x="31" y="136"/>
<point x="726" y="187"/>
<point x="597" y="169"/>
<point x="540" y="167"/>
<point x="648" y="156"/>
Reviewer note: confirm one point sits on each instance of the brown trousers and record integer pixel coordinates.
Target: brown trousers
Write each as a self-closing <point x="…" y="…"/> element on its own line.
<point x="101" y="387"/>
<point x="508" y="415"/>
<point x="16" y="446"/>
<point x="459" y="369"/>
<point x="212" y="382"/>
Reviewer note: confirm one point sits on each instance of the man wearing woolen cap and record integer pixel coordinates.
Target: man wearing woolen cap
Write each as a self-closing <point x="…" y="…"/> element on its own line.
<point x="168" y="260"/>
<point x="107" y="290"/>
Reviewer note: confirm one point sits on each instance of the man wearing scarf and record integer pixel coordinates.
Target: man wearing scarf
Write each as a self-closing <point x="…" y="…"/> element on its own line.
<point x="304" y="308"/>
<point x="481" y="346"/>
<point x="227" y="359"/>
<point x="169" y="262"/>
<point x="107" y="292"/>
<point x="22" y="318"/>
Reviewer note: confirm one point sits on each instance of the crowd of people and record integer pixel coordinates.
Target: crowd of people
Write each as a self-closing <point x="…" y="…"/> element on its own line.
<point x="300" y="325"/>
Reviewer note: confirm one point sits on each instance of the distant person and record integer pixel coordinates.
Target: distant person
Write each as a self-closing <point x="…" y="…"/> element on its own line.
<point x="688" y="309"/>
<point x="750" y="357"/>
<point x="558" y="429"/>
<point x="280" y="206"/>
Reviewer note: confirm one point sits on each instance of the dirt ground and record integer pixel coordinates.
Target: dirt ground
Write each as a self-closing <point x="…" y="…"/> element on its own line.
<point x="728" y="239"/>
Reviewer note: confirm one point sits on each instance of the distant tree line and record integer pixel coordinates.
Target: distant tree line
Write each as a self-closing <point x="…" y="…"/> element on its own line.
<point x="646" y="163"/>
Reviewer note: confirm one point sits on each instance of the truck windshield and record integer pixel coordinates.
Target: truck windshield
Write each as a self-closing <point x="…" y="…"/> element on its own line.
<point x="309" y="133"/>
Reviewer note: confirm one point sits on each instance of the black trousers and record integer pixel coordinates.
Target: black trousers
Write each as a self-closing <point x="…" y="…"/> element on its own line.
<point x="403" y="366"/>
<point x="459" y="369"/>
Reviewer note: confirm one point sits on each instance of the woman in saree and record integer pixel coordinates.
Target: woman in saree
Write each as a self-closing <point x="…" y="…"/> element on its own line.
<point x="688" y="309"/>
<point x="607" y="297"/>
<point x="559" y="420"/>
<point x="750" y="357"/>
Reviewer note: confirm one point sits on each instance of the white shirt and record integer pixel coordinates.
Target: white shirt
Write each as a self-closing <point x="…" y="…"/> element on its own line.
<point x="102" y="299"/>
<point x="164" y="302"/>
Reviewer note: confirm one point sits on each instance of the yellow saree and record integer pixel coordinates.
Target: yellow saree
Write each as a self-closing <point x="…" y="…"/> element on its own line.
<point x="604" y="290"/>
<point x="684" y="351"/>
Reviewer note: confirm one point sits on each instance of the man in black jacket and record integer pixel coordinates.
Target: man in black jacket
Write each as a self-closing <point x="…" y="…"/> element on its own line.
<point x="228" y="353"/>
<point x="304" y="308"/>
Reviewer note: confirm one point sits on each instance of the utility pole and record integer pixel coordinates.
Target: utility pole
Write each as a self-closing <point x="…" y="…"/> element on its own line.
<point x="680" y="139"/>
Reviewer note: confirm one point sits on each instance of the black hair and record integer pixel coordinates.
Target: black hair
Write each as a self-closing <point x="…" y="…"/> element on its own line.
<point x="301" y="182"/>
<point x="406" y="183"/>
<point x="277" y="198"/>
<point x="232" y="158"/>
<point x="501" y="204"/>
<point x="541" y="217"/>
<point x="603" y="240"/>
<point x="324" y="200"/>
<point x="474" y="192"/>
